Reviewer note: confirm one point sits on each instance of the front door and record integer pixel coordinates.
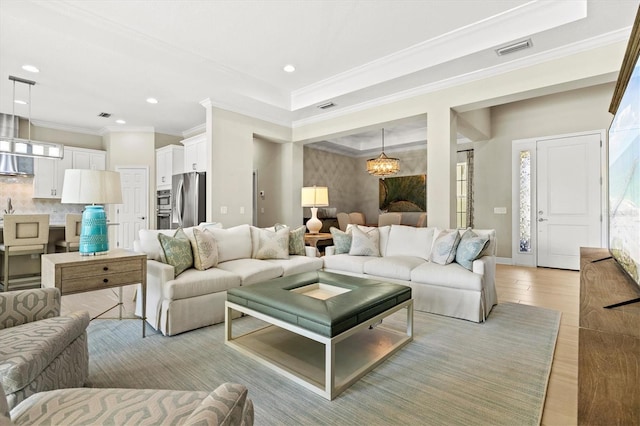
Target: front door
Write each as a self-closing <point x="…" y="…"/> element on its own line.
<point x="568" y="210"/>
<point x="133" y="213"/>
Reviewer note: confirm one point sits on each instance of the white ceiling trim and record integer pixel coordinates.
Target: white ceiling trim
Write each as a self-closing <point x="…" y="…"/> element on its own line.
<point x="578" y="47"/>
<point x="530" y="18"/>
<point x="127" y="129"/>
<point x="65" y="128"/>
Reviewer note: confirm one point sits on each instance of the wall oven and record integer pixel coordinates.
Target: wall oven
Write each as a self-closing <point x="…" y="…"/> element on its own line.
<point x="163" y="209"/>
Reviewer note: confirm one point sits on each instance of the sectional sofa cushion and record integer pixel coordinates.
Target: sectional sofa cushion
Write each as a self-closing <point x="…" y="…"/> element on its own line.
<point x="205" y="250"/>
<point x="445" y="246"/>
<point x="297" y="264"/>
<point x="396" y="267"/>
<point x="470" y="247"/>
<point x="233" y="243"/>
<point x="409" y="241"/>
<point x="177" y="251"/>
<point x="252" y="271"/>
<point x="347" y="263"/>
<point x="364" y="243"/>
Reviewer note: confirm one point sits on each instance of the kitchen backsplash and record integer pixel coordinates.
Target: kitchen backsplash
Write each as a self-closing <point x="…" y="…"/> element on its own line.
<point x="20" y="190"/>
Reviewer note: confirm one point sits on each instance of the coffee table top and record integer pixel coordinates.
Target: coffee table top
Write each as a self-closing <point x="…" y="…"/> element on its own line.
<point x="350" y="301"/>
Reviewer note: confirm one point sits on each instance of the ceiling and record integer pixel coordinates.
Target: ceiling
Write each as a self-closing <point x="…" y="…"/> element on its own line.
<point x="110" y="56"/>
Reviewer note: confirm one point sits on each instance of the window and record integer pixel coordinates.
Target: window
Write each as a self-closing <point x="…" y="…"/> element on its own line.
<point x="461" y="195"/>
<point x="525" y="202"/>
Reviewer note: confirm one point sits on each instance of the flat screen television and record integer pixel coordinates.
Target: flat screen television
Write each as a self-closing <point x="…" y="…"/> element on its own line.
<point x="624" y="166"/>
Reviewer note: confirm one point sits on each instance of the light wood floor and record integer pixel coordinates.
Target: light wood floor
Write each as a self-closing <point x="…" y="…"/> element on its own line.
<point x="547" y="288"/>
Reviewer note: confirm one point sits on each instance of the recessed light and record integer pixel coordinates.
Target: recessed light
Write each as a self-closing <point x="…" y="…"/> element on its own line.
<point x="121" y="121"/>
<point x="289" y="68"/>
<point x="20" y="102"/>
<point x="30" y="68"/>
<point x="152" y="100"/>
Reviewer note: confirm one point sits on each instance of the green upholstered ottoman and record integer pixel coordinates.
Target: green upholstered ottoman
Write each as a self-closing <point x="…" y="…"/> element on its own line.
<point x="334" y="317"/>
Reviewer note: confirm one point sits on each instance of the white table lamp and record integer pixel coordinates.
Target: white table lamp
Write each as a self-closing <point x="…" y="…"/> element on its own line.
<point x="94" y="187"/>
<point x="314" y="197"/>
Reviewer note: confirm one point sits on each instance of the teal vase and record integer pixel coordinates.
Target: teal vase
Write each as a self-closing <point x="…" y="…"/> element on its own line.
<point x="93" y="233"/>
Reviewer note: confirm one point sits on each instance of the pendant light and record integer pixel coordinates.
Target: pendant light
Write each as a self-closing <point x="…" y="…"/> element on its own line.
<point x="383" y="165"/>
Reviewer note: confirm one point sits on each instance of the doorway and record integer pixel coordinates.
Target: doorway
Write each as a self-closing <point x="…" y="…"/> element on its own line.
<point x="558" y="200"/>
<point x="133" y="214"/>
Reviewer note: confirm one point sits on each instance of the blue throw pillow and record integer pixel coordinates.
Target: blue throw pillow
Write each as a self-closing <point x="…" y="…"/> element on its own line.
<point x="469" y="248"/>
<point x="341" y="240"/>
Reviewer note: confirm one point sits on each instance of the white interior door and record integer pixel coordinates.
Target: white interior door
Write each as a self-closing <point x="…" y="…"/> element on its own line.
<point x="133" y="213"/>
<point x="568" y="199"/>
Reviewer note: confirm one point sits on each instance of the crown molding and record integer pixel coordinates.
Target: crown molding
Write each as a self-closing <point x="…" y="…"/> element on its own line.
<point x="249" y="112"/>
<point x="126" y="129"/>
<point x="606" y="39"/>
<point x="65" y="128"/>
<point x="195" y="130"/>
<point x="521" y="21"/>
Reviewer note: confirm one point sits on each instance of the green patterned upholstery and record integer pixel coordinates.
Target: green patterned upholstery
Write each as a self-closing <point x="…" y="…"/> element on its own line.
<point x="226" y="405"/>
<point x="177" y="251"/>
<point x="40" y="350"/>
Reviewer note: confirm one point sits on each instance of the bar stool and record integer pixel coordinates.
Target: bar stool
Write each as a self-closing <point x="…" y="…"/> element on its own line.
<point x="24" y="234"/>
<point x="73" y="225"/>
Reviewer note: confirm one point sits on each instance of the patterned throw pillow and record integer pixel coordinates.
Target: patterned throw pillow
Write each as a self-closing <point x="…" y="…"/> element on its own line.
<point x="365" y="243"/>
<point x="341" y="240"/>
<point x="205" y="252"/>
<point x="177" y="251"/>
<point x="273" y="245"/>
<point x="470" y="247"/>
<point x="445" y="246"/>
<point x="296" y="239"/>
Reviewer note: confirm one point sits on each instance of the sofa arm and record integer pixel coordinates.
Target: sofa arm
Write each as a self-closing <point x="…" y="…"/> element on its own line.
<point x="310" y="251"/>
<point x="329" y="250"/>
<point x="227" y="405"/>
<point x="158" y="274"/>
<point x="23" y="306"/>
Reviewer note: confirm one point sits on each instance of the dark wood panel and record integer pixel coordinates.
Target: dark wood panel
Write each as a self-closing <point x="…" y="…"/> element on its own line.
<point x="609" y="344"/>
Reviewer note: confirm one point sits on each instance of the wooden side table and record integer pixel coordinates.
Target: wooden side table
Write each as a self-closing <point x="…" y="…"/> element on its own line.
<point x="73" y="273"/>
<point x="312" y="239"/>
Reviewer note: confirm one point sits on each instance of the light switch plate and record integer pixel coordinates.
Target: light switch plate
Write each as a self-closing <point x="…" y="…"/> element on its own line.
<point x="500" y="210"/>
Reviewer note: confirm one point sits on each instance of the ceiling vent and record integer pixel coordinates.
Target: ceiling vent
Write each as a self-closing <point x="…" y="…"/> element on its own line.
<point x="505" y="50"/>
<point x="326" y="105"/>
<point x="104" y="115"/>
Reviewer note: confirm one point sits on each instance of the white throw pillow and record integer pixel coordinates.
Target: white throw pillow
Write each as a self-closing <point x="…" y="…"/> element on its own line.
<point x="364" y="243"/>
<point x="445" y="246"/>
<point x="410" y="241"/>
<point x="233" y="243"/>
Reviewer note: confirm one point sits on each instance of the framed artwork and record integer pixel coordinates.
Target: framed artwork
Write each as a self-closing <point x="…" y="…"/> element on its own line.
<point x="403" y="194"/>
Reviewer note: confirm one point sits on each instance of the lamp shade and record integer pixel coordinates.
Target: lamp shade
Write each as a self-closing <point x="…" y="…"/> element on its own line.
<point x="91" y="187"/>
<point x="96" y="187"/>
<point x="315" y="196"/>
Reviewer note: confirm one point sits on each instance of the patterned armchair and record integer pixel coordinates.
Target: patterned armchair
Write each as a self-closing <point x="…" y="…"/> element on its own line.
<point x="227" y="405"/>
<point x="39" y="349"/>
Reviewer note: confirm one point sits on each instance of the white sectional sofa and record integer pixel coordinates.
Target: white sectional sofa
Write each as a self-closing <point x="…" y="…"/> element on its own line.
<point x="404" y="255"/>
<point x="195" y="298"/>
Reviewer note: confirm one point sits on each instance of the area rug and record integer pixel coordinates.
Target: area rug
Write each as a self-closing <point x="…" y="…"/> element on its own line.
<point x="455" y="372"/>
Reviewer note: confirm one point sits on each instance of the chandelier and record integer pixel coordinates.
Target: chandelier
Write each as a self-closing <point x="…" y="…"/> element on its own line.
<point x="383" y="165"/>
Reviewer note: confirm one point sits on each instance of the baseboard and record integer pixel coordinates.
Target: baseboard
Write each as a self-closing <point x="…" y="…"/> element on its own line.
<point x="504" y="261"/>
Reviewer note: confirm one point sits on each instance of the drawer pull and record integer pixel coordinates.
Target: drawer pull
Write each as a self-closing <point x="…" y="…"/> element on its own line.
<point x="106" y="280"/>
<point x="106" y="268"/>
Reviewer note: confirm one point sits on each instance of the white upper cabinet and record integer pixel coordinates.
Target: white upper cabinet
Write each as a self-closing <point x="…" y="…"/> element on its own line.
<point x="49" y="174"/>
<point x="169" y="162"/>
<point x="195" y="153"/>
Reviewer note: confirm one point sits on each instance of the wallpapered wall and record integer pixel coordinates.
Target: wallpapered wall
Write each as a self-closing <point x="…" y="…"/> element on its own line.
<point x="20" y="190"/>
<point x="351" y="188"/>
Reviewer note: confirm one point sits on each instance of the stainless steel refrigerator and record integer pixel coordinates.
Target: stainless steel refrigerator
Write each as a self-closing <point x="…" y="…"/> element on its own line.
<point x="188" y="195"/>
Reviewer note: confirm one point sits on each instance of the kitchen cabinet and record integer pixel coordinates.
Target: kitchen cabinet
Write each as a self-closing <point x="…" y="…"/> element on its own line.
<point x="195" y="154"/>
<point x="169" y="162"/>
<point x="49" y="173"/>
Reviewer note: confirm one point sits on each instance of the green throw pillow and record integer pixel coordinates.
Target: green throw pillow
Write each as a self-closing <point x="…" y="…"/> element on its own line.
<point x="470" y="247"/>
<point x="177" y="251"/>
<point x="296" y="239"/>
<point x="341" y="240"/>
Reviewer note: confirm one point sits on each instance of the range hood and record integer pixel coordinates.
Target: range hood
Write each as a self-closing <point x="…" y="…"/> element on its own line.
<point x="13" y="165"/>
